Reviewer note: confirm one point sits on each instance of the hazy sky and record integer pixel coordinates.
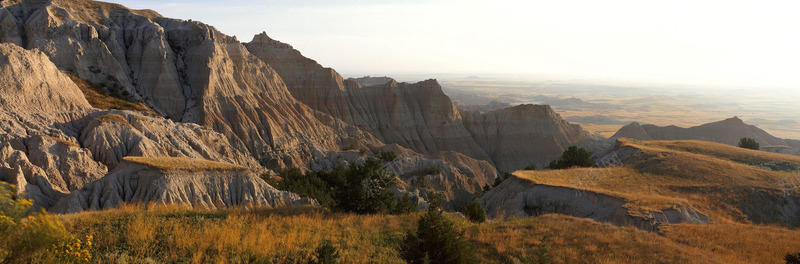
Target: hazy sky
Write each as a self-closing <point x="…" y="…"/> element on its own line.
<point x="731" y="43"/>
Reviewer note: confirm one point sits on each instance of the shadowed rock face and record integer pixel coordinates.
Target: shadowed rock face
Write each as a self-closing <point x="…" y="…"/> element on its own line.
<point x="517" y="136"/>
<point x="420" y="116"/>
<point x="728" y="131"/>
<point x="133" y="182"/>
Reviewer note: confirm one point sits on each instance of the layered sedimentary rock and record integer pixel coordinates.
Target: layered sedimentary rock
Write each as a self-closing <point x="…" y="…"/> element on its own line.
<point x="420" y="116"/>
<point x="728" y="131"/>
<point x="30" y="83"/>
<point x="53" y="142"/>
<point x="191" y="182"/>
<point x="262" y="104"/>
<point x="185" y="70"/>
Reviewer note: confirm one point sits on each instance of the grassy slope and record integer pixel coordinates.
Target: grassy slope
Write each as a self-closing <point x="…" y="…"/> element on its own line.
<point x="708" y="176"/>
<point x="97" y="97"/>
<point x="290" y="235"/>
<point x="182" y="163"/>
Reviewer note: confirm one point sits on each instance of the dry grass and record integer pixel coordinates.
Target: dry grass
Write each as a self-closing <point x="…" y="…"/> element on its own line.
<point x="62" y="141"/>
<point x="169" y="234"/>
<point x="737" y="154"/>
<point x="98" y="98"/>
<point x="182" y="163"/>
<point x="114" y="118"/>
<point x="737" y="242"/>
<point x="702" y="175"/>
<point x="287" y="235"/>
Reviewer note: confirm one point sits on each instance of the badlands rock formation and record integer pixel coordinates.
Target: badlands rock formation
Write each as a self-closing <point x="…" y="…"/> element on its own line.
<point x="186" y="70"/>
<point x="728" y="131"/>
<point x="260" y="104"/>
<point x="420" y="116"/>
<point x="192" y="182"/>
<point x="52" y="142"/>
<point x="517" y="136"/>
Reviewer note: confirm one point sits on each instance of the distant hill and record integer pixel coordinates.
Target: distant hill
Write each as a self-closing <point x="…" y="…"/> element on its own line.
<point x="728" y="131"/>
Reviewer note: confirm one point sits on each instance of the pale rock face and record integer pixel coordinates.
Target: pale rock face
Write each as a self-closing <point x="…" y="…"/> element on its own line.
<point x="52" y="142"/>
<point x="67" y="166"/>
<point x="186" y="70"/>
<point x="30" y="179"/>
<point x="30" y="83"/>
<point x="138" y="183"/>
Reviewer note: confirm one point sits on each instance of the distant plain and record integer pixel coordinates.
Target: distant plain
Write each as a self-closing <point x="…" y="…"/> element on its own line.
<point x="603" y="108"/>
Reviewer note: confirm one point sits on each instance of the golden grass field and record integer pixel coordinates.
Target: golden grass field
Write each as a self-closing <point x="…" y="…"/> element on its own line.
<point x="183" y="163"/>
<point x="715" y="179"/>
<point x="290" y="235"/>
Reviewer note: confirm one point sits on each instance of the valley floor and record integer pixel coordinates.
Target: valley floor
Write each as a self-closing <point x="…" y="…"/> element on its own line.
<point x="291" y="235"/>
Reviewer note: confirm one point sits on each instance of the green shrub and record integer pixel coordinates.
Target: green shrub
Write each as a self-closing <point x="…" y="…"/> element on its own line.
<point x="436" y="240"/>
<point x="359" y="188"/>
<point x="573" y="157"/>
<point x="326" y="253"/>
<point x="387" y="156"/>
<point x="792" y="258"/>
<point x="749" y="143"/>
<point x="531" y="166"/>
<point x="405" y="205"/>
<point x="475" y="212"/>
<point x="34" y="238"/>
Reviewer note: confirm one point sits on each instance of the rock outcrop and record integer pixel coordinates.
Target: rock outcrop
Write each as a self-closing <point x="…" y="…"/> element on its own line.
<point x="185" y="70"/>
<point x="521" y="197"/>
<point x="420" y="116"/>
<point x="518" y="136"/>
<point x="30" y="83"/>
<point x="54" y="143"/>
<point x="728" y="131"/>
<point x="190" y="182"/>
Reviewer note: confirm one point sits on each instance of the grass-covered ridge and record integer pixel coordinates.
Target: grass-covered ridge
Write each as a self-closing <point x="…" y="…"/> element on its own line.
<point x="721" y="181"/>
<point x="183" y="163"/>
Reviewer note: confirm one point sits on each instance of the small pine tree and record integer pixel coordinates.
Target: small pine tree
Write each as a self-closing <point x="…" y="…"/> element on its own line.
<point x="792" y="258"/>
<point x="436" y="239"/>
<point x="573" y="157"/>
<point x="405" y="205"/>
<point x="387" y="156"/>
<point x="749" y="143"/>
<point x="475" y="212"/>
<point x="326" y="253"/>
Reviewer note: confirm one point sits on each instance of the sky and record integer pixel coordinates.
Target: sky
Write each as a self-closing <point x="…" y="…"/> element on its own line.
<point x="727" y="43"/>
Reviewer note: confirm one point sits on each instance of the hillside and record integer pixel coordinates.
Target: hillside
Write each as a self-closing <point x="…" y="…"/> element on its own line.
<point x="728" y="131"/>
<point x="665" y="182"/>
